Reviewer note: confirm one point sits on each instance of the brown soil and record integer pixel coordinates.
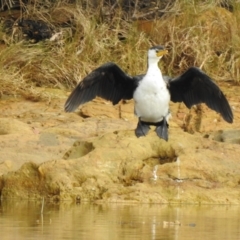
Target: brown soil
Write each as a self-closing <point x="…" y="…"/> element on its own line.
<point x="93" y="153"/>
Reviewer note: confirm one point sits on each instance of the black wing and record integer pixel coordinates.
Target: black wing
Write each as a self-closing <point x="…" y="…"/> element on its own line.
<point x="107" y="81"/>
<point x="194" y="87"/>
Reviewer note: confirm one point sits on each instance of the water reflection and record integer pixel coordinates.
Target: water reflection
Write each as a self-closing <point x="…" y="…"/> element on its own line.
<point x="23" y="220"/>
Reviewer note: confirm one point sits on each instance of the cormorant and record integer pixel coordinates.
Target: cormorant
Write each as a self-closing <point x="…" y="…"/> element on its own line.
<point x="151" y="92"/>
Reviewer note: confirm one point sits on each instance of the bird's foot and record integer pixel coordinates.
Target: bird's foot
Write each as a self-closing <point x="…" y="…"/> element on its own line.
<point x="142" y="129"/>
<point x="162" y="129"/>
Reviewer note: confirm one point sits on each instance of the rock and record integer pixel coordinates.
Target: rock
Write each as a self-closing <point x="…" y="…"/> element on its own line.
<point x="5" y="166"/>
<point x="8" y="126"/>
<point x="42" y="133"/>
<point x="230" y="136"/>
<point x="119" y="167"/>
<point x="95" y="156"/>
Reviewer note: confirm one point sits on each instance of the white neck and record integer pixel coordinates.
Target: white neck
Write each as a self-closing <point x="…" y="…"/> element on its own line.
<point x="153" y="61"/>
<point x="153" y="64"/>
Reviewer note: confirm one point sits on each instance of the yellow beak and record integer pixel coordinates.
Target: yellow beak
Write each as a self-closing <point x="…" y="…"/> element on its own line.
<point x="162" y="52"/>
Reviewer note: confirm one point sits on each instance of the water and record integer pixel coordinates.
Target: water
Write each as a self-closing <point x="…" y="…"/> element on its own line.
<point x="23" y="220"/>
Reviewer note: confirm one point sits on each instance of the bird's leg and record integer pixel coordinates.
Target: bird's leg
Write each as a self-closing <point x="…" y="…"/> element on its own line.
<point x="142" y="129"/>
<point x="162" y="129"/>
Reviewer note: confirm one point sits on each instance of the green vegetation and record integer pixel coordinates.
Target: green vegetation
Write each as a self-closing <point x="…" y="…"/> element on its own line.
<point x="197" y="33"/>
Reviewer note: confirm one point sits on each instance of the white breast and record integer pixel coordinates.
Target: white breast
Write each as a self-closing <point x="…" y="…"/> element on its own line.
<point x="152" y="97"/>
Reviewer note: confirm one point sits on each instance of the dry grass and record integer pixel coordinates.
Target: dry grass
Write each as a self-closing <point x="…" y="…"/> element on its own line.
<point x="206" y="36"/>
<point x="197" y="34"/>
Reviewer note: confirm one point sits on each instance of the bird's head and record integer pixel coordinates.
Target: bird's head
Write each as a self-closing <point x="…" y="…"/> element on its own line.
<point x="155" y="53"/>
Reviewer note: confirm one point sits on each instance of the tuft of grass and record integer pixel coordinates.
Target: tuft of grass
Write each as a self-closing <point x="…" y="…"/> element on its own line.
<point x="204" y="35"/>
<point x="64" y="62"/>
<point x="197" y="33"/>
